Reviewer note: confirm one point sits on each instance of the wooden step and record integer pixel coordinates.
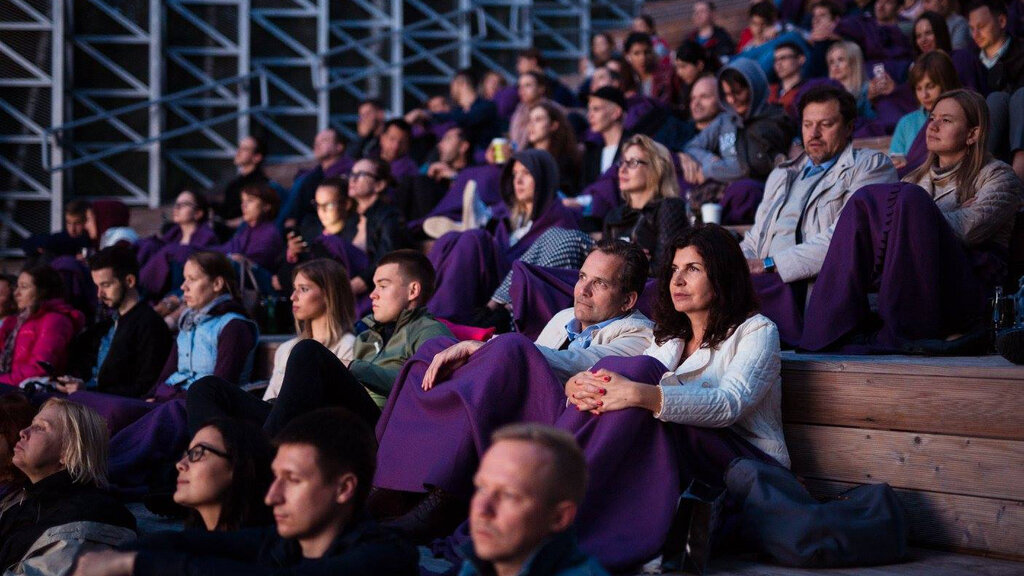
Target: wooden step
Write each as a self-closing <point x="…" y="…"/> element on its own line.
<point x="946" y="433"/>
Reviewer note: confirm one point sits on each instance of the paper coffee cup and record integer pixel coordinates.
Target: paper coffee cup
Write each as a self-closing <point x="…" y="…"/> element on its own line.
<point x="711" y="213"/>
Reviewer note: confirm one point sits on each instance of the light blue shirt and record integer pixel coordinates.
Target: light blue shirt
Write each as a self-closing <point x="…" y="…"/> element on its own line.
<point x="102" y="355"/>
<point x="580" y="339"/>
<point x="811" y="169"/>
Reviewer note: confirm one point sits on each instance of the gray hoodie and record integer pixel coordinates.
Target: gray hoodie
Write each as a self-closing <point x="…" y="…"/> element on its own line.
<point x="715" y="148"/>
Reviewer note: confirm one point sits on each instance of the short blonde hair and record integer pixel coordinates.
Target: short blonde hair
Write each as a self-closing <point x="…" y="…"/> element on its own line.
<point x="85" y="438"/>
<point x="568" y="478"/>
<point x="667" y="185"/>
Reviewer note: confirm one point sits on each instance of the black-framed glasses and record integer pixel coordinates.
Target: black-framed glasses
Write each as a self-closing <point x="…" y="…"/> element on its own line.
<point x="196" y="453"/>
<point x="184" y="205"/>
<point x="357" y="175"/>
<point x="632" y="164"/>
<point x="325" y="206"/>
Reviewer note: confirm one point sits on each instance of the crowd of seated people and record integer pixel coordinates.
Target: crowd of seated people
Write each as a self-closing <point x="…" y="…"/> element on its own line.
<point x="644" y="338"/>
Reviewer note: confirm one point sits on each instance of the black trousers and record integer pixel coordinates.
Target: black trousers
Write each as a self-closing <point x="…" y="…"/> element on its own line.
<point x="313" y="378"/>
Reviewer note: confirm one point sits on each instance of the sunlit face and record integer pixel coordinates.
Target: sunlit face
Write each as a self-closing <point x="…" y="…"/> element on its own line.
<point x="523" y="184"/>
<point x="451" y="148"/>
<point x="886" y="10"/>
<point x="639" y="179"/>
<point x="529" y="90"/>
<point x="701" y="15"/>
<point x="787" y="63"/>
<point x="600" y="48"/>
<point x="987" y="30"/>
<point x="821" y="17"/>
<point x="198" y="288"/>
<point x="704" y="100"/>
<point x="204" y="482"/>
<point x="924" y="36"/>
<point x="736" y="96"/>
<point x="602" y="114"/>
<point x="758" y="26"/>
<point x="825" y="134"/>
<point x="304" y="502"/>
<point x="510" y="513"/>
<point x="598" y="294"/>
<point x="74" y="224"/>
<point x="308" y="300"/>
<point x="326" y="145"/>
<point x="254" y="209"/>
<point x="25" y="294"/>
<point x="246" y="155"/>
<point x="38" y="451"/>
<point x="391" y="293"/>
<point x="687" y="71"/>
<point x="109" y="290"/>
<point x="949" y="133"/>
<point x="927" y="92"/>
<point x="641" y="57"/>
<point x="362" y="182"/>
<point x="540" y="127"/>
<point x="690" y="286"/>
<point x="839" y="68"/>
<point x="186" y="210"/>
<point x="394" y="143"/>
<point x="329" y="208"/>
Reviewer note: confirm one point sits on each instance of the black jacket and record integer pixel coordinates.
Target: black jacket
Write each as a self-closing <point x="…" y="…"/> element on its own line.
<point x="138" y="351"/>
<point x="653" y="227"/>
<point x="385" y="231"/>
<point x="1006" y="75"/>
<point x="53" y="501"/>
<point x="363" y="549"/>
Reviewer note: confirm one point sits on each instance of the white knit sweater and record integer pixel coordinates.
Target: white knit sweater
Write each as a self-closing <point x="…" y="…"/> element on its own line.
<point x="738" y="384"/>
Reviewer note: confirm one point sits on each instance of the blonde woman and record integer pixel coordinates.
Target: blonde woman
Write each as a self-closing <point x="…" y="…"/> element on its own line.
<point x="324" y="311"/>
<point x="846" y="66"/>
<point x="653" y="213"/>
<point x="63" y="452"/>
<point x="942" y="234"/>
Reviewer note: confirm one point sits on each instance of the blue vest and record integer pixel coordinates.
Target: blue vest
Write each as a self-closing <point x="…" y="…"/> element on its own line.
<point x="197" y="351"/>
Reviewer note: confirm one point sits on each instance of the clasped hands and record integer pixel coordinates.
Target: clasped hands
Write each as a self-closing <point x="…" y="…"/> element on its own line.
<point x="602" y="391"/>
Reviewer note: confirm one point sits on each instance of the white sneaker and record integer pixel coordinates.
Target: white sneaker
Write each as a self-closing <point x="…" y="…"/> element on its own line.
<point x="437" y="226"/>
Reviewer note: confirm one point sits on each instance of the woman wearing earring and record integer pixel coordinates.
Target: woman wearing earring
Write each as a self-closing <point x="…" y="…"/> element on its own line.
<point x="934" y="245"/>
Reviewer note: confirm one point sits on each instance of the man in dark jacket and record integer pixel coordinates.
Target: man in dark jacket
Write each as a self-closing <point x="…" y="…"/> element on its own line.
<point x="375" y="226"/>
<point x="322" y="474"/>
<point x="123" y="354"/>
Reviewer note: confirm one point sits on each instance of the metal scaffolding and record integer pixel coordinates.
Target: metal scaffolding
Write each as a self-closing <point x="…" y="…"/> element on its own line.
<point x="160" y="91"/>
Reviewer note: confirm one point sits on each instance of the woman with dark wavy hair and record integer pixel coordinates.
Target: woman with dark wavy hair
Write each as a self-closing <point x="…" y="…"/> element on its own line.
<point x="224" y="474"/>
<point x="712" y="381"/>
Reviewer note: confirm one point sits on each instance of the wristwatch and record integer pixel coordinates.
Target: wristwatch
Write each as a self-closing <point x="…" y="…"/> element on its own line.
<point x="769" y="264"/>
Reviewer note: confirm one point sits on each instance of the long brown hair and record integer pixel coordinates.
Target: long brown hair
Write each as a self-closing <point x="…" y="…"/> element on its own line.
<point x="216" y="265"/>
<point x="936" y="66"/>
<point x="976" y="111"/>
<point x="563" y="140"/>
<point x="331" y="278"/>
<point x="734" y="298"/>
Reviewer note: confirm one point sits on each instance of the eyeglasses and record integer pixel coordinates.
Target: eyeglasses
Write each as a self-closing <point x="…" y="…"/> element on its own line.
<point x="184" y="205"/>
<point x="785" y="57"/>
<point x="325" y="206"/>
<point x="632" y="164"/>
<point x="196" y="453"/>
<point x="357" y="175"/>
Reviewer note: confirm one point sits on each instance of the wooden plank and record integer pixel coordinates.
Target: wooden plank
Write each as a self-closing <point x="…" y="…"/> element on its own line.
<point x="953" y="521"/>
<point x="951" y="464"/>
<point x="951" y="367"/>
<point x="959" y="406"/>
<point x="921" y="563"/>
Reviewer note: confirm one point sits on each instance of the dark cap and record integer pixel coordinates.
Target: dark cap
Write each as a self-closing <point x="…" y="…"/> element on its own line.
<point x="613" y="95"/>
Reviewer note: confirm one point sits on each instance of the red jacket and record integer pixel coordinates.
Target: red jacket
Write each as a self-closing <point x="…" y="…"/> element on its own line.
<point x="46" y="335"/>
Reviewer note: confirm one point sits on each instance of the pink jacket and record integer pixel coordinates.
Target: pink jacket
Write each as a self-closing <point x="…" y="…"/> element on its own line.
<point x="46" y="335"/>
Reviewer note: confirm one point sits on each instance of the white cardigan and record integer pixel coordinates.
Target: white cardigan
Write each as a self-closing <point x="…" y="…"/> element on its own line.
<point x="627" y="336"/>
<point x="343" y="350"/>
<point x="738" y="384"/>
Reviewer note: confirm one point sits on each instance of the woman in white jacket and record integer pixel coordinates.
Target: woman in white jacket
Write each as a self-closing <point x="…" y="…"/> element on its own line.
<point x="707" y="391"/>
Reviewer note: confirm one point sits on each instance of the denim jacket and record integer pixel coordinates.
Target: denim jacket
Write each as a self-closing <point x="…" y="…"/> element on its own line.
<point x="197" y="347"/>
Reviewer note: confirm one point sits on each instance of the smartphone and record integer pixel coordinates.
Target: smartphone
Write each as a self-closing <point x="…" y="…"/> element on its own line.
<point x="48" y="368"/>
<point x="878" y="70"/>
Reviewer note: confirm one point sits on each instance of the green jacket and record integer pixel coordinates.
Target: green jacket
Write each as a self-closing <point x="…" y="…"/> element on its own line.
<point x="377" y="366"/>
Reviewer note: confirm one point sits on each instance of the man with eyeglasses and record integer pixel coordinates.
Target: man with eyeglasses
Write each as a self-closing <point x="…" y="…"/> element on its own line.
<point x="331" y="162"/>
<point x="124" y="353"/>
<point x="322" y="474"/>
<point x="788" y="66"/>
